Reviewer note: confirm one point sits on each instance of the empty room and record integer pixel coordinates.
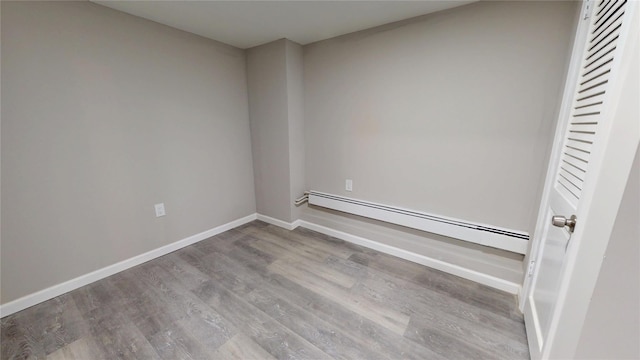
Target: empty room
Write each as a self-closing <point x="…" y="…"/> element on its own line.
<point x="320" y="179"/>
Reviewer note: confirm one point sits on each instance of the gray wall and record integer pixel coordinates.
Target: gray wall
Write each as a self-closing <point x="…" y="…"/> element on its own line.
<point x="295" y="103"/>
<point x="451" y="114"/>
<point x="267" y="78"/>
<point x="0" y="157"/>
<point x="103" y="115"/>
<point x="612" y="326"/>
<point x="274" y="72"/>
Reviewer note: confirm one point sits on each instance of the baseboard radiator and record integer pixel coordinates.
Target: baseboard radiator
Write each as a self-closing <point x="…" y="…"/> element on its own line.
<point x="506" y="239"/>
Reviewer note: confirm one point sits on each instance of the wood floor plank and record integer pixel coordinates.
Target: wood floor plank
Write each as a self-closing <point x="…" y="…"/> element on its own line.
<point x="322" y="334"/>
<point x="479" y="327"/>
<point x="473" y="336"/>
<point x="324" y="244"/>
<point x="16" y="342"/>
<point x="447" y="284"/>
<point x="215" y="243"/>
<point x="292" y="246"/>
<point x="376" y="337"/>
<point x="45" y="328"/>
<point x="81" y="349"/>
<point x="296" y="261"/>
<point x="214" y="266"/>
<point x="400" y="292"/>
<point x="266" y="332"/>
<point x="178" y="343"/>
<point x="191" y="277"/>
<point x="117" y="337"/>
<point x="241" y="347"/>
<point x="142" y="306"/>
<point x="262" y="292"/>
<point x="347" y="267"/>
<point x="419" y="301"/>
<point x="383" y="315"/>
<point x="204" y="323"/>
<point x="126" y="343"/>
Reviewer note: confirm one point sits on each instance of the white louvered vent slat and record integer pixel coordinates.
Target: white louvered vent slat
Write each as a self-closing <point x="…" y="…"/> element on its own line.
<point x="610" y="25"/>
<point x="590" y="96"/>
<point x="574" y="176"/>
<point x="576" y="154"/>
<point x="584" y="146"/>
<point x="586" y="138"/>
<point x="583" y="127"/>
<point x="594" y="78"/>
<point x="597" y="63"/>
<point x="604" y="45"/>
<point x="594" y="84"/>
<point x="605" y="7"/>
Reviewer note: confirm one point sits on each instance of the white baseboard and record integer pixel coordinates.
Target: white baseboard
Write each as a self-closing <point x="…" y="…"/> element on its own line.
<point x="466" y="230"/>
<point x="453" y="269"/>
<point x="457" y="270"/>
<point x="277" y="222"/>
<point x="57" y="290"/>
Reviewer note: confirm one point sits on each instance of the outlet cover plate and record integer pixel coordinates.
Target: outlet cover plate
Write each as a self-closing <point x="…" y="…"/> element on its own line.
<point x="160" y="210"/>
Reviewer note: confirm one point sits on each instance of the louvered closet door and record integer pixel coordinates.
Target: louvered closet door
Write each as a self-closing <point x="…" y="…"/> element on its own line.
<point x="583" y="122"/>
<point x="589" y="98"/>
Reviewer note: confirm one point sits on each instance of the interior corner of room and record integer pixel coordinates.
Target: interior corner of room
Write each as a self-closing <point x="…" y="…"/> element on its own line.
<point x="105" y="114"/>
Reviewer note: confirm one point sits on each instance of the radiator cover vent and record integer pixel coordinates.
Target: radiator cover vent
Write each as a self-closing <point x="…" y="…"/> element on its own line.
<point x="506" y="239"/>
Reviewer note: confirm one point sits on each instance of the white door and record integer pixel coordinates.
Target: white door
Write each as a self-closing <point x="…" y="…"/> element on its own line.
<point x="582" y="131"/>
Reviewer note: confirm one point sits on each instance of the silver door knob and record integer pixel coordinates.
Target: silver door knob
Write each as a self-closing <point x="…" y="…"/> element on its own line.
<point x="561" y="221"/>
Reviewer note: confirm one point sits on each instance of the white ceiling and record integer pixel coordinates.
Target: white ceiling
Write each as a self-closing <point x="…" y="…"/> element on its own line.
<point x="245" y="24"/>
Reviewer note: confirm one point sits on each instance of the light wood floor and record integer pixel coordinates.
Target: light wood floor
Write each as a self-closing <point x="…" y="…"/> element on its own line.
<point x="261" y="292"/>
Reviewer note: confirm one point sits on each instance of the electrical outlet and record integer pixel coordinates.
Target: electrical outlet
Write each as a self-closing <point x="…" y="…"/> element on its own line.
<point x="160" y="210"/>
<point x="348" y="185"/>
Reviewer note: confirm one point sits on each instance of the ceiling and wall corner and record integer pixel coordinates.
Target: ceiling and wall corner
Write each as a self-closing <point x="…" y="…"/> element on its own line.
<point x="245" y="24"/>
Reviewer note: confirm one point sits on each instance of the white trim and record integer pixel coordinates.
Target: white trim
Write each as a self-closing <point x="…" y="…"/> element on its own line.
<point x="534" y="339"/>
<point x="571" y="81"/>
<point x="463" y="272"/>
<point x="277" y="222"/>
<point x="70" y="285"/>
<point x="468" y="274"/>
<point x="478" y="233"/>
<point x="62" y="288"/>
<point x="611" y="165"/>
